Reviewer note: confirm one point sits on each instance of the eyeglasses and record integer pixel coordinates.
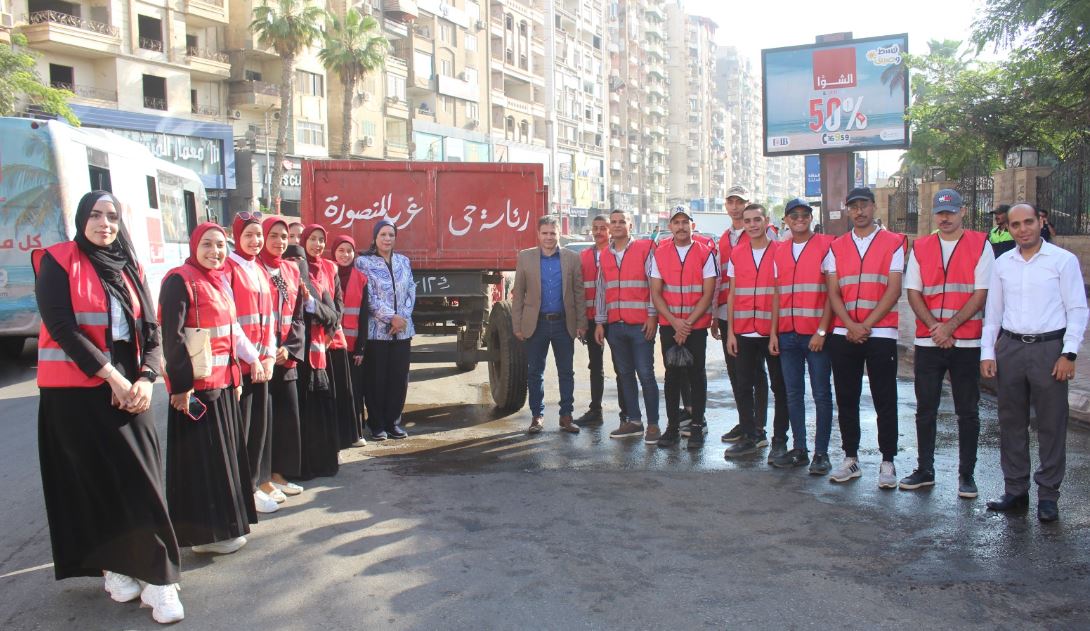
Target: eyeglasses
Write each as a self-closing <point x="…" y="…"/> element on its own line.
<point x="248" y="216"/>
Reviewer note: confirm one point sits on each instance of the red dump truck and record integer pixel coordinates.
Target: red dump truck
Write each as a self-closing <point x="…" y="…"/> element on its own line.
<point x="461" y="225"/>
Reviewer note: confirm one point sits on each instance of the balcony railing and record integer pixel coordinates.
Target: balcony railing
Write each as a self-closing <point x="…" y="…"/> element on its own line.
<point x="212" y="55"/>
<point x="87" y="91"/>
<point x="148" y="43"/>
<point x="215" y="3"/>
<point x="206" y="110"/>
<point x="56" y="17"/>
<point x="260" y="87"/>
<point x="155" y="103"/>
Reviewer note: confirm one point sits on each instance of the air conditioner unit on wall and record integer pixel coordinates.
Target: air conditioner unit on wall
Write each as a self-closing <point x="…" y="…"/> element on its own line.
<point x="6" y="20"/>
<point x="367" y="141"/>
<point x="235" y="114"/>
<point x="473" y="123"/>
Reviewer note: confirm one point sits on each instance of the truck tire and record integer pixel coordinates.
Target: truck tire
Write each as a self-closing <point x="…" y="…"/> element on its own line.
<point x="507" y="368"/>
<point x="11" y="347"/>
<point x="468" y="340"/>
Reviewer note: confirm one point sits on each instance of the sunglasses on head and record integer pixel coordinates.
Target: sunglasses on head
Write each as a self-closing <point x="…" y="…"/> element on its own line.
<point x="250" y="216"/>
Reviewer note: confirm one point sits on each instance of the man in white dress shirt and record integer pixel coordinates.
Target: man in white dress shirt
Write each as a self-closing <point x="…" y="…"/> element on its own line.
<point x="1034" y="322"/>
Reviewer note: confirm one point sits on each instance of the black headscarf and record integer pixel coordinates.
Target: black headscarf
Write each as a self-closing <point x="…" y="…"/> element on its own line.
<point x="114" y="260"/>
<point x="373" y="250"/>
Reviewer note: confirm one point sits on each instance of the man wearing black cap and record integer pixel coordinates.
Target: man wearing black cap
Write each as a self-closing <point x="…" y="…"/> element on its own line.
<point x="1000" y="237"/>
<point x="947" y="281"/>
<point x="863" y="274"/>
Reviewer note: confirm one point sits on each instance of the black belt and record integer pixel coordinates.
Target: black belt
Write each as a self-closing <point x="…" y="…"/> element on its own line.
<point x="551" y="316"/>
<point x="1033" y="338"/>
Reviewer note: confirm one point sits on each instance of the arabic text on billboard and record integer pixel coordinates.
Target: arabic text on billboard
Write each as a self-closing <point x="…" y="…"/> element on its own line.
<point x="836" y="96"/>
<point x="813" y="176"/>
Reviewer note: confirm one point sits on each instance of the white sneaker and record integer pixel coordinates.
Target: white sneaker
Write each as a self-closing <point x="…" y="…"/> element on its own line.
<point x="122" y="588"/>
<point x="360" y="443"/>
<point x="847" y="470"/>
<point x="220" y="547"/>
<point x="887" y="475"/>
<point x="264" y="503"/>
<point x="164" y="603"/>
<point x="277" y="496"/>
<point x="289" y="488"/>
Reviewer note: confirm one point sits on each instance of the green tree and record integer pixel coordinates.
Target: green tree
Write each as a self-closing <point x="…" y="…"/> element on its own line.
<point x="353" y="47"/>
<point x="288" y="27"/>
<point x="19" y="79"/>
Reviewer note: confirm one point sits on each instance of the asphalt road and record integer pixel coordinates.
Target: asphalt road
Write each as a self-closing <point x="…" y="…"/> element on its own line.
<point x="473" y="524"/>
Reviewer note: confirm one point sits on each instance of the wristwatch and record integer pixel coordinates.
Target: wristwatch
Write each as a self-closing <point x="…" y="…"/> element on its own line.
<point x="149" y="374"/>
<point x="821" y="332"/>
<point x="1070" y="356"/>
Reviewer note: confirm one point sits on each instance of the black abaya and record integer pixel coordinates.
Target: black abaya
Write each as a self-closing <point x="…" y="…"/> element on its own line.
<point x="257" y="430"/>
<point x="318" y="426"/>
<point x="349" y="425"/>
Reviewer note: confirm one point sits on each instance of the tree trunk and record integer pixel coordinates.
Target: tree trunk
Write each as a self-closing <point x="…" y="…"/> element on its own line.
<point x="349" y="83"/>
<point x="287" y="92"/>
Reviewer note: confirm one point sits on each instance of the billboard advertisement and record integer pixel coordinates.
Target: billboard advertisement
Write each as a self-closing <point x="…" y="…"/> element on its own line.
<point x="849" y="95"/>
<point x="813" y="176"/>
<point x="860" y="171"/>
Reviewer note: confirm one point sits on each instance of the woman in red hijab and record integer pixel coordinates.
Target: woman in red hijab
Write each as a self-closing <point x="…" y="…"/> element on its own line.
<point x="347" y="376"/>
<point x="209" y="489"/>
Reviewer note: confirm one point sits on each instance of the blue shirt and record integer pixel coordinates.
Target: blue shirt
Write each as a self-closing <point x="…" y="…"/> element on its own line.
<point x="552" y="284"/>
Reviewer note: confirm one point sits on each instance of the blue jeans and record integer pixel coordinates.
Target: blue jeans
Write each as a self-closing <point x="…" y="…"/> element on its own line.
<point x="795" y="356"/>
<point x="554" y="332"/>
<point x="633" y="354"/>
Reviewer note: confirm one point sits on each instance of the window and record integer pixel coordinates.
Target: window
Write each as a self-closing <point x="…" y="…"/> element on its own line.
<point x="471" y="42"/>
<point x="155" y="92"/>
<point x="447" y="104"/>
<point x="153" y="195"/>
<point x="446" y="67"/>
<point x="309" y="83"/>
<point x="509" y="22"/>
<point x="369" y="128"/>
<point x="310" y="133"/>
<point x="252" y="75"/>
<point x="150" y="31"/>
<point x="62" y="76"/>
<point x="447" y="33"/>
<point x="422" y="66"/>
<point x="395" y="87"/>
<point x="472" y="111"/>
<point x="191" y="44"/>
<point x="170" y="199"/>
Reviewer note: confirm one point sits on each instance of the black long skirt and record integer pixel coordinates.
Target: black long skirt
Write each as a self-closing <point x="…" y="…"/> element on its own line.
<point x="102" y="479"/>
<point x="318" y="424"/>
<point x="208" y="472"/>
<point x="349" y="424"/>
<point x="257" y="430"/>
<point x="284" y="422"/>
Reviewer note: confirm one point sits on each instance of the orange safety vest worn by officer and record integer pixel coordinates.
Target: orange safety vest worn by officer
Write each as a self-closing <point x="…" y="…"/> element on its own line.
<point x="862" y="281"/>
<point x="753" y="288"/>
<point x="253" y="307"/>
<point x="91" y="307"/>
<point x="683" y="282"/>
<point x="210" y="308"/>
<point x="803" y="293"/>
<point x="588" y="259"/>
<point x="725" y="249"/>
<point x="353" y="299"/>
<point x="947" y="288"/>
<point x="628" y="289"/>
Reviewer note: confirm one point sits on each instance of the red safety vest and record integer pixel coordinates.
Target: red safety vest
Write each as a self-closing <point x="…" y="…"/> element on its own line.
<point x="725" y="249"/>
<point x="337" y="340"/>
<point x="753" y="288"/>
<point x="802" y="285"/>
<point x="319" y="338"/>
<point x="863" y="280"/>
<point x="253" y="307"/>
<point x="212" y="309"/>
<point x="353" y="299"/>
<point x="683" y="283"/>
<point x="91" y="307"/>
<point x="589" y="260"/>
<point x="628" y="289"/>
<point x="290" y="273"/>
<point x="946" y="290"/>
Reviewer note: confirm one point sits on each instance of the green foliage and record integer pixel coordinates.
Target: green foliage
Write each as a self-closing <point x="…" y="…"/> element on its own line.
<point x="288" y="26"/>
<point x="19" y="78"/>
<point x="353" y="46"/>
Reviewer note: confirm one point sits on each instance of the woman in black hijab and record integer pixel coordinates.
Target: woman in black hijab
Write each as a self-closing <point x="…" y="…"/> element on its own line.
<point x="98" y="356"/>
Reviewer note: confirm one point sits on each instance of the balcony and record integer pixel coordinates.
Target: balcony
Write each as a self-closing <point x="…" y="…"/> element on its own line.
<point x="211" y="111"/>
<point x="63" y="33"/>
<point x="206" y="12"/>
<point x="397" y="150"/>
<point x="657" y="89"/>
<point x="397" y="66"/>
<point x="208" y="64"/>
<point x="401" y="8"/>
<point x="421" y="82"/>
<point x="155" y="103"/>
<point x="150" y="44"/>
<point x="657" y="110"/>
<point x="615" y="165"/>
<point x="657" y="130"/>
<point x="257" y="95"/>
<point x="395" y="29"/>
<point x="655" y="49"/>
<point x="397" y="107"/>
<point x="655" y="13"/>
<point x="88" y="92"/>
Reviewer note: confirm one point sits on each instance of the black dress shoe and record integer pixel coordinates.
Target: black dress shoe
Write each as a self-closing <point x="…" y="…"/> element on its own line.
<point x="591" y="417"/>
<point x="1010" y="502"/>
<point x="1047" y="510"/>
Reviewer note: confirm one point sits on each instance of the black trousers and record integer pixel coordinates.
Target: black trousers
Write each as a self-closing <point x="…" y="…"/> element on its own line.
<point x="694" y="376"/>
<point x="931" y="366"/>
<point x="760" y="385"/>
<point x="386" y="382"/>
<point x="879" y="357"/>
<point x="750" y="364"/>
<point x="596" y="366"/>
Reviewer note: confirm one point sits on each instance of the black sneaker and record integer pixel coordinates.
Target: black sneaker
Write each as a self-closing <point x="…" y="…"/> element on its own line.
<point x="820" y="465"/>
<point x="669" y="438"/>
<point x="687" y="429"/>
<point x="591" y="417"/>
<point x="743" y="447"/>
<point x="684" y="416"/>
<point x="966" y="486"/>
<point x="793" y="458"/>
<point x="762" y="439"/>
<point x="778" y="449"/>
<point x="918" y="479"/>
<point x="696" y="437"/>
<point x="734" y="435"/>
<point x="397" y="433"/>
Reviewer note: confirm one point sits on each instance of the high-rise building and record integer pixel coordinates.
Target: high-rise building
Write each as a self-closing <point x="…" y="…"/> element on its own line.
<point x="738" y="87"/>
<point x="518" y="119"/>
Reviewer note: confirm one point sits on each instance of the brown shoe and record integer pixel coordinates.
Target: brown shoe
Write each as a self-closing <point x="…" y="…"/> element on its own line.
<point x="568" y="425"/>
<point x="652" y="436"/>
<point x="536" y="425"/>
<point x="627" y="429"/>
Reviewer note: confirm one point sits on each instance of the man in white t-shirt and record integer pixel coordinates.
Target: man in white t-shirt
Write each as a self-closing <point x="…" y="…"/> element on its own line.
<point x="947" y="281"/>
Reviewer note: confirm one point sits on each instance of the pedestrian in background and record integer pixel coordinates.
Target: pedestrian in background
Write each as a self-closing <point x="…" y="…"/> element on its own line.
<point x="1048" y="231"/>
<point x="391" y="297"/>
<point x="548" y="309"/>
<point x="1034" y="323"/>
<point x="999" y="236"/>
<point x="98" y="356"/>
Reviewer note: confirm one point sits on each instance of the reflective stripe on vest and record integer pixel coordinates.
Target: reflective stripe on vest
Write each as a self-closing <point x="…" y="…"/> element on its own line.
<point x="253" y="306"/>
<point x="725" y="250"/>
<point x="353" y="301"/>
<point x="683" y="282"/>
<point x="588" y="260"/>
<point x="803" y="292"/>
<point x="628" y="289"/>
<point x="863" y="280"/>
<point x="753" y="289"/>
<point x="947" y="287"/>
<point x="212" y="309"/>
<point x="329" y="280"/>
<point x="290" y="273"/>
<point x="91" y="309"/>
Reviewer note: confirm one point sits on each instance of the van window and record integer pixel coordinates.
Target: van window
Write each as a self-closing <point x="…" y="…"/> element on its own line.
<point x="172" y="203"/>
<point x="191" y="210"/>
<point x="98" y="165"/>
<point x="153" y="194"/>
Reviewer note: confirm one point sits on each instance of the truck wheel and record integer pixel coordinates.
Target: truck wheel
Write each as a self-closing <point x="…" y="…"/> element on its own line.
<point x="11" y="347"/>
<point x="468" y="340"/>
<point x="507" y="368"/>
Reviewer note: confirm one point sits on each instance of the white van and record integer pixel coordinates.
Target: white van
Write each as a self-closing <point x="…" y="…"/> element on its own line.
<point x="45" y="168"/>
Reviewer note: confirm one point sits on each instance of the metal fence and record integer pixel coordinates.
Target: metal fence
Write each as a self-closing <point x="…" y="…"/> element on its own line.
<point x="1065" y="192"/>
<point x="977" y="189"/>
<point x="904" y="212"/>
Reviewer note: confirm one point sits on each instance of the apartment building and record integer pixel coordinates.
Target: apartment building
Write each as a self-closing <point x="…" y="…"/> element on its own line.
<point x="153" y="71"/>
<point x="738" y="86"/>
<point x="7" y="21"/>
<point x="519" y="118"/>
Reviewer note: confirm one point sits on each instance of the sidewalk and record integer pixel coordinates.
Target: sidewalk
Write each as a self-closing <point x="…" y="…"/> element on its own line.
<point x="1078" y="396"/>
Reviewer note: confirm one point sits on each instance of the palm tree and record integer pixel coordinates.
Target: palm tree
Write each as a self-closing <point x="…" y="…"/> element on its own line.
<point x="353" y="47"/>
<point x="288" y="27"/>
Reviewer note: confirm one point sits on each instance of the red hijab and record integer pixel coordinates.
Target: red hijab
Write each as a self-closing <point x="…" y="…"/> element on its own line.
<point x="314" y="264"/>
<point x="267" y="224"/>
<point x="216" y="275"/>
<point x="238" y="224"/>
<point x="343" y="271"/>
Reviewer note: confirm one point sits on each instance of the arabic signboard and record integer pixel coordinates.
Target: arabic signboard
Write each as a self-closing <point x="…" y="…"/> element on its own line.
<point x="813" y="176"/>
<point x="202" y="155"/>
<point x="837" y="96"/>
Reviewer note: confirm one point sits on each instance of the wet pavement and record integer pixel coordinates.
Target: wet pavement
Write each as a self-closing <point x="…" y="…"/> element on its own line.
<point x="471" y="523"/>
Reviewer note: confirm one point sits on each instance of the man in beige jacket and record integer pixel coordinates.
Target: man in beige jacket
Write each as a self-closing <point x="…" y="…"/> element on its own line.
<point x="548" y="308"/>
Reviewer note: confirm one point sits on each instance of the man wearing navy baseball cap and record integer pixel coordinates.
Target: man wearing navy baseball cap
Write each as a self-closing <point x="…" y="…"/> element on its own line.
<point x="947" y="281"/>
